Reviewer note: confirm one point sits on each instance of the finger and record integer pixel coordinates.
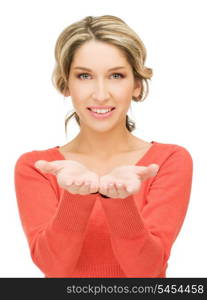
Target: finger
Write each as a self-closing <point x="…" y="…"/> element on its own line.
<point x="121" y="190"/>
<point x="153" y="169"/>
<point x="78" y="183"/>
<point x="93" y="188"/>
<point x="133" y="185"/>
<point x="39" y="164"/>
<point x="45" y="166"/>
<point x="49" y="167"/>
<point x="75" y="187"/>
<point x="112" y="191"/>
<point x="103" y="189"/>
<point x="85" y="188"/>
<point x="146" y="172"/>
<point x="130" y="189"/>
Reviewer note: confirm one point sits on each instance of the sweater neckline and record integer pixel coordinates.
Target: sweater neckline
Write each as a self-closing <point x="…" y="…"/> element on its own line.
<point x="139" y="162"/>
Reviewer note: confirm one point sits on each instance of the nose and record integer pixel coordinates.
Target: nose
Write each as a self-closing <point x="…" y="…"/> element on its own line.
<point x="100" y="91"/>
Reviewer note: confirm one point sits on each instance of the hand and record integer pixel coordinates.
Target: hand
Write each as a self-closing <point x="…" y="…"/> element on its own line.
<point x="125" y="180"/>
<point x="71" y="175"/>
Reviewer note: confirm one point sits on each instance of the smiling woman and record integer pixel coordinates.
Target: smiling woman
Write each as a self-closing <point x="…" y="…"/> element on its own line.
<point x="100" y="85"/>
<point x="113" y="31"/>
<point x="106" y="204"/>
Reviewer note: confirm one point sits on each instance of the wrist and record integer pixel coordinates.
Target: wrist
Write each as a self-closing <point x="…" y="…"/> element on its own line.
<point x="102" y="195"/>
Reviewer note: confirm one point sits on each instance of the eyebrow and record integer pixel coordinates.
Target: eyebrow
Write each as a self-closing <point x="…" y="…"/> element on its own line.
<point x="112" y="69"/>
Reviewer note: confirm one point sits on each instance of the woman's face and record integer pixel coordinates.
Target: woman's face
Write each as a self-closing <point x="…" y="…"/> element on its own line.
<point x="91" y="82"/>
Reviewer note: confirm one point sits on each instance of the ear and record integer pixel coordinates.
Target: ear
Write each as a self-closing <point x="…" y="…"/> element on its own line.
<point x="137" y="88"/>
<point x="67" y="92"/>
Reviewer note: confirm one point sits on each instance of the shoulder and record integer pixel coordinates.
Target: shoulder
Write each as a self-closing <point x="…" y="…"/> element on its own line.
<point x="165" y="151"/>
<point x="27" y="159"/>
<point x="47" y="154"/>
<point x="173" y="159"/>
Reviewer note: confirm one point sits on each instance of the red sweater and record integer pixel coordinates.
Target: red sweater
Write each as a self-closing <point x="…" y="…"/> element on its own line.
<point x="91" y="236"/>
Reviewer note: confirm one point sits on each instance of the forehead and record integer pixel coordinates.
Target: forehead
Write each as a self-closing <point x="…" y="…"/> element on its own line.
<point x="99" y="54"/>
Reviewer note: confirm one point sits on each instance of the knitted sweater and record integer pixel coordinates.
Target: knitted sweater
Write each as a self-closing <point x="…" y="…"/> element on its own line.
<point x="73" y="235"/>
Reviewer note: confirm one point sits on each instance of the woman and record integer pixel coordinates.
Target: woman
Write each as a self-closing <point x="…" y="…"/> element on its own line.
<point x="106" y="204"/>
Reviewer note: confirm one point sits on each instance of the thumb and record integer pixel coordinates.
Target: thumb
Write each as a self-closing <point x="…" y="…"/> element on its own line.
<point x="147" y="172"/>
<point x="46" y="166"/>
<point x="153" y="169"/>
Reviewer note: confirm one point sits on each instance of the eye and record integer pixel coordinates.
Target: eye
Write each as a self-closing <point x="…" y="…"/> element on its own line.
<point x="79" y="76"/>
<point x="85" y="75"/>
<point x="119" y="74"/>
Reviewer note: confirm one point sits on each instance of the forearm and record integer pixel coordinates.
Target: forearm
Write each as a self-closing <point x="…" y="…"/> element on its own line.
<point x="139" y="252"/>
<point x="57" y="247"/>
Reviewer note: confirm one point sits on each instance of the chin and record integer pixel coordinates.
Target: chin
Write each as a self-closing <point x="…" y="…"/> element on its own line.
<point x="101" y="128"/>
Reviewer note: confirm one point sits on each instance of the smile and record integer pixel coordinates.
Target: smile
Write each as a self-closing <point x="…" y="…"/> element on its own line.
<point x="101" y="115"/>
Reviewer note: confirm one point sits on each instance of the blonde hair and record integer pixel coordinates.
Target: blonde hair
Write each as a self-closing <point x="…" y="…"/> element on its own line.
<point x="108" y="29"/>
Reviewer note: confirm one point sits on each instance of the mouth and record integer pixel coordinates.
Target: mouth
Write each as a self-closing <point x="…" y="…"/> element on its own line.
<point x="100" y="115"/>
<point x="100" y="112"/>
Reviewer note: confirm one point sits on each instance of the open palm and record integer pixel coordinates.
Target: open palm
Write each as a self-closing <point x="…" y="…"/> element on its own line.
<point x="125" y="180"/>
<point x="77" y="179"/>
<point x="71" y="175"/>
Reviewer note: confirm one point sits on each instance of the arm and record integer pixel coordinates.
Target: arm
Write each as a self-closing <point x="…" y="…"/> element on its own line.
<point x="142" y="240"/>
<point x="54" y="229"/>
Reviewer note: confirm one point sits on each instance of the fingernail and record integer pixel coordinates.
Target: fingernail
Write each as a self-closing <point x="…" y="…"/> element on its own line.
<point x="38" y="168"/>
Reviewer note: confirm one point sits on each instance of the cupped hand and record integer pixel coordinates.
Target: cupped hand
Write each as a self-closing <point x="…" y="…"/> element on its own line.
<point x="71" y="175"/>
<point x="125" y="180"/>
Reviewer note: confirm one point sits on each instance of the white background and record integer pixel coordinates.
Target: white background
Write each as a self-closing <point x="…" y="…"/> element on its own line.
<point x="32" y="111"/>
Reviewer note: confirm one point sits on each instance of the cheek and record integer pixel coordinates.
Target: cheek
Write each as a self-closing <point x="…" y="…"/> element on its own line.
<point x="124" y="88"/>
<point x="125" y="98"/>
<point x="79" y="91"/>
<point x="124" y="94"/>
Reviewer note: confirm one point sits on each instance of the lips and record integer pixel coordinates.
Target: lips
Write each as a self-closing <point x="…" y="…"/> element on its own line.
<point x="101" y="116"/>
<point x="100" y="106"/>
<point x="90" y="108"/>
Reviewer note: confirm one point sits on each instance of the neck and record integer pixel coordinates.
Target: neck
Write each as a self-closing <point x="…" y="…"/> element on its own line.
<point x="103" y="144"/>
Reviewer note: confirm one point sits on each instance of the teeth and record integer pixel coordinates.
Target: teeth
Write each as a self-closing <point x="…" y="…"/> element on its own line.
<point x="101" y="111"/>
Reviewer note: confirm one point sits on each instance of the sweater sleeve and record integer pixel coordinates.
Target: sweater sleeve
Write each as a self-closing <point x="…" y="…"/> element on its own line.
<point x="142" y="240"/>
<point x="54" y="227"/>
